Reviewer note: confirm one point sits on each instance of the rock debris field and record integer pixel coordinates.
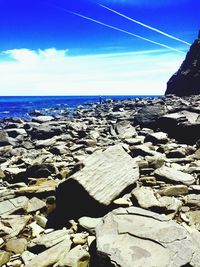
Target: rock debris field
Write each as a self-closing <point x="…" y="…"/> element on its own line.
<point x="116" y="184"/>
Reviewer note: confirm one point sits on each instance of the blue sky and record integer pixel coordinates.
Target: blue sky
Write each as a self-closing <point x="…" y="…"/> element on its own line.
<point x="45" y="50"/>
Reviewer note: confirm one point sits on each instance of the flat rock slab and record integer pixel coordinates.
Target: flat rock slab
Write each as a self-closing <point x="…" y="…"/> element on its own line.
<point x="172" y="175"/>
<point x="52" y="255"/>
<point x="105" y="174"/>
<point x="12" y="225"/>
<point x="42" y="186"/>
<point x="136" y="237"/>
<point x="13" y="205"/>
<point x="41" y="119"/>
<point x="49" y="240"/>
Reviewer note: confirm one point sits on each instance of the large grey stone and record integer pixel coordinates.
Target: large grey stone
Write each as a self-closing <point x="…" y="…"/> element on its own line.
<point x="136" y="237"/>
<point x="104" y="175"/>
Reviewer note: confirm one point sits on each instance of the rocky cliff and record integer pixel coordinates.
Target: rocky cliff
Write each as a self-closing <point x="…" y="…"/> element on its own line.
<point x="186" y="81"/>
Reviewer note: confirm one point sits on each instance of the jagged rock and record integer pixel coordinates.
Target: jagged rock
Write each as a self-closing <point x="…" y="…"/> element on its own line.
<point x="35" y="204"/>
<point x="43" y="132"/>
<point x="194" y="218"/>
<point x="144" y="150"/>
<point x="36" y="229"/>
<point x="174" y="176"/>
<point x="149" y="115"/>
<point x="186" y="81"/>
<point x="4" y="139"/>
<point x="103" y="177"/>
<point x="18" y="245"/>
<point x="52" y="255"/>
<point x="40" y="187"/>
<point x="125" y="130"/>
<point x="48" y="240"/>
<point x="146" y="198"/>
<point x="183" y="126"/>
<point x="77" y="257"/>
<point x="16" y="132"/>
<point x="40" y="170"/>
<point x="149" y="238"/>
<point x="12" y="225"/>
<point x="157" y="138"/>
<point x="27" y="256"/>
<point x="79" y="238"/>
<point x="13" y="205"/>
<point x="4" y="257"/>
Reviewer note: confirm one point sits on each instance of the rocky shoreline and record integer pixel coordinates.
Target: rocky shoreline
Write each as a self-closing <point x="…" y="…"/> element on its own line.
<point x="117" y="184"/>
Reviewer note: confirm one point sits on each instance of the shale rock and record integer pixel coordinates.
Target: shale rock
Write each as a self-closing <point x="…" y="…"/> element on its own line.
<point x="149" y="238"/>
<point x="52" y="255"/>
<point x="103" y="177"/>
<point x="174" y="176"/>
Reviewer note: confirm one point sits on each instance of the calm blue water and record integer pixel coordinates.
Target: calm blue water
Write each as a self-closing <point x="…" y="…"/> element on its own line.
<point x="21" y="106"/>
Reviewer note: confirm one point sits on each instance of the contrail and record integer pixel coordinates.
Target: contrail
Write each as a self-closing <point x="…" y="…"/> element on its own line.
<point x="120" y="30"/>
<point x="145" y="25"/>
<point x="117" y="29"/>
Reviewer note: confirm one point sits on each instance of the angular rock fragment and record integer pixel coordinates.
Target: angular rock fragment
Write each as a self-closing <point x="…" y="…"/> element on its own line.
<point x="4" y="257"/>
<point x="89" y="223"/>
<point x="157" y="138"/>
<point x="13" y="205"/>
<point x="18" y="245"/>
<point x="40" y="187"/>
<point x="35" y="204"/>
<point x="52" y="255"/>
<point x="103" y="177"/>
<point x="40" y="170"/>
<point x="12" y="225"/>
<point x="48" y="240"/>
<point x="77" y="257"/>
<point x="125" y="130"/>
<point x="149" y="115"/>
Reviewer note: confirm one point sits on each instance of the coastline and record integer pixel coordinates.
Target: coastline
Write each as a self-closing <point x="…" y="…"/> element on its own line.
<point x="143" y="152"/>
<point x="24" y="106"/>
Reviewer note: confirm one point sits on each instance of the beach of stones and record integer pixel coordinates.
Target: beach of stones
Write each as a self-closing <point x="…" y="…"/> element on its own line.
<point x="116" y="184"/>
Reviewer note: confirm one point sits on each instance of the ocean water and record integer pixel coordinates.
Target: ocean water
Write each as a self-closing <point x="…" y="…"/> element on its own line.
<point x="22" y="106"/>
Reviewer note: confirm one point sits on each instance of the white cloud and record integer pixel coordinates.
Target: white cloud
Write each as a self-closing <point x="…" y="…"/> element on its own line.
<point x="28" y="56"/>
<point x="54" y="72"/>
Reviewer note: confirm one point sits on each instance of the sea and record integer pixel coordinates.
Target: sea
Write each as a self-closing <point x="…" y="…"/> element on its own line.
<point x="25" y="106"/>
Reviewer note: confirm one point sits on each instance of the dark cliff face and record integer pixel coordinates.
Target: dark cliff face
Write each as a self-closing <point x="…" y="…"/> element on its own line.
<point x="186" y="81"/>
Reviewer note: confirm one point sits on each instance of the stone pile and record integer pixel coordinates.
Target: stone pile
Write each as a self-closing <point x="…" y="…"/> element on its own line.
<point x="117" y="184"/>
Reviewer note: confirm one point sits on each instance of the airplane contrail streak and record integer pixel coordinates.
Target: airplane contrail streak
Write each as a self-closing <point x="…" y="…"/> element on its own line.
<point x="145" y="25"/>
<point x="117" y="29"/>
<point x="121" y="30"/>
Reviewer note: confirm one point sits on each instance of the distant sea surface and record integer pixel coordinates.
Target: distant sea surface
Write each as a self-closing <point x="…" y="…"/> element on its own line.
<point x="22" y="106"/>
